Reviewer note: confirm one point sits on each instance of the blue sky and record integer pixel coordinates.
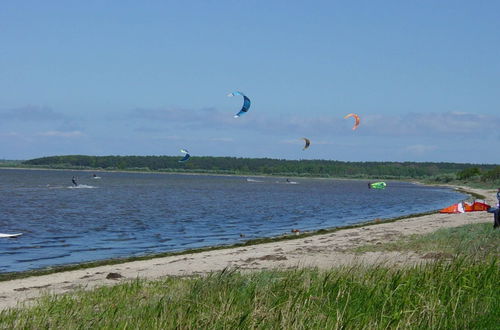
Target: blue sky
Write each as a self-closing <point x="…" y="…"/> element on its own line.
<point x="149" y="78"/>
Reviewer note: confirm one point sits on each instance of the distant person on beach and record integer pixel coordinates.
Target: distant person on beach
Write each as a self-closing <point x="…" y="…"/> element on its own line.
<point x="74" y="181"/>
<point x="369" y="185"/>
<point x="496" y="216"/>
<point x="496" y="212"/>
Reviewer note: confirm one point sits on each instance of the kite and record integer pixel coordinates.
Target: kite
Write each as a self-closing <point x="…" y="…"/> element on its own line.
<point x="377" y="185"/>
<point x="356" y="124"/>
<point x="186" y="156"/>
<point x="308" y="142"/>
<point x="246" y="103"/>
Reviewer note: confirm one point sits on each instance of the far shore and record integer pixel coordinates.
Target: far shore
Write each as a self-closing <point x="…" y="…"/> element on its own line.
<point x="319" y="249"/>
<point x="250" y="175"/>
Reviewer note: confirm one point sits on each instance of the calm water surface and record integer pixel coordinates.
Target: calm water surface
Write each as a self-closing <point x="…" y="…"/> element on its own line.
<point x="129" y="214"/>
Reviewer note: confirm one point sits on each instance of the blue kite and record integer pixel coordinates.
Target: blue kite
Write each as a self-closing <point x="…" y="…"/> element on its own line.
<point x="246" y="103"/>
<point x="186" y="156"/>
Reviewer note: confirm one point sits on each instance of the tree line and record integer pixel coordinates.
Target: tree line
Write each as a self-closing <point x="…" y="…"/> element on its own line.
<point x="267" y="166"/>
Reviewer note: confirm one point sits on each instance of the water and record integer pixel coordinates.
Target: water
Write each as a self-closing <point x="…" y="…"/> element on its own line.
<point x="130" y="214"/>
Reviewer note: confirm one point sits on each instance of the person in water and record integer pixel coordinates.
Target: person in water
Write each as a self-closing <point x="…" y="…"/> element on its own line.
<point x="74" y="181"/>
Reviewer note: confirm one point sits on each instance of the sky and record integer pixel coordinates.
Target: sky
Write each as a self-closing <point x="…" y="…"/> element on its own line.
<point x="152" y="77"/>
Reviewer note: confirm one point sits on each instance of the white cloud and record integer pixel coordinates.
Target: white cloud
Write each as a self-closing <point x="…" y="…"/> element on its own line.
<point x="411" y="124"/>
<point x="32" y="113"/>
<point x="70" y="134"/>
<point x="420" y="149"/>
<point x="221" y="139"/>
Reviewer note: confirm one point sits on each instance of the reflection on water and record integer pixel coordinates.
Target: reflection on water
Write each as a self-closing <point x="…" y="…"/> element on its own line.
<point x="127" y="214"/>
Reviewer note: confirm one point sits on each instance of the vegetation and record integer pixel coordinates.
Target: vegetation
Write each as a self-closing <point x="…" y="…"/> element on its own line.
<point x="478" y="241"/>
<point x="230" y="165"/>
<point x="461" y="294"/>
<point x="472" y="176"/>
<point x="468" y="173"/>
<point x="6" y="162"/>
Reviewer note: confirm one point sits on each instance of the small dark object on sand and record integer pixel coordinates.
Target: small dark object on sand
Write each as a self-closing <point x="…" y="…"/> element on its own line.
<point x="113" y="276"/>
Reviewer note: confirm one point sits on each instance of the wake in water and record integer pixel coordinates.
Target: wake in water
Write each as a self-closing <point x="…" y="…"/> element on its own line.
<point x="286" y="182"/>
<point x="253" y="180"/>
<point x="82" y="186"/>
<point x="9" y="235"/>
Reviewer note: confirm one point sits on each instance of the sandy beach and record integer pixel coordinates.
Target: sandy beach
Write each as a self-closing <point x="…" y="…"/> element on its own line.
<point x="322" y="251"/>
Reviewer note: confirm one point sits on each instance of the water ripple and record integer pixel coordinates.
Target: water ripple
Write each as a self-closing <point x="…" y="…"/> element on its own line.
<point x="126" y="214"/>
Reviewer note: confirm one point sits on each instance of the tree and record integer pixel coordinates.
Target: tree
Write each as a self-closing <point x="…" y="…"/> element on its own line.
<point x="468" y="173"/>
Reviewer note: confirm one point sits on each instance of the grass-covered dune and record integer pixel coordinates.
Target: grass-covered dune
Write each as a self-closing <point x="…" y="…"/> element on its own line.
<point x="460" y="291"/>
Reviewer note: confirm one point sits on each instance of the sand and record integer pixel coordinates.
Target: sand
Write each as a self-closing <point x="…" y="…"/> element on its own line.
<point x="322" y="251"/>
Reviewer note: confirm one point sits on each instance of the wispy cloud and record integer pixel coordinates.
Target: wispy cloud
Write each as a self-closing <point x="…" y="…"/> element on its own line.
<point x="420" y="149"/>
<point x="221" y="139"/>
<point x="31" y="113"/>
<point x="411" y="124"/>
<point x="69" y="134"/>
<point x="425" y="124"/>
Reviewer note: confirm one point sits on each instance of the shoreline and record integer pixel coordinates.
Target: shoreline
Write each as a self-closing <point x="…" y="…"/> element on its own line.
<point x="318" y="249"/>
<point x="7" y="276"/>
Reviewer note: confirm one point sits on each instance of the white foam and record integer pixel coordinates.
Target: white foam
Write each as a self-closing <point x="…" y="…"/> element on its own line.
<point x="82" y="186"/>
<point x="254" y="180"/>
<point x="10" y="235"/>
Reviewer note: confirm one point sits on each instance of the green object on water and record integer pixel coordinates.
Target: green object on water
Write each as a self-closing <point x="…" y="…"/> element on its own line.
<point x="378" y="185"/>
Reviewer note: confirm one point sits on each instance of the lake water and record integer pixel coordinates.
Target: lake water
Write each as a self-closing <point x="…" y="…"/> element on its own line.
<point x="131" y="214"/>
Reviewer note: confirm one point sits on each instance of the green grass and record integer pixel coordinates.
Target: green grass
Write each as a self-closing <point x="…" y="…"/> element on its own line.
<point x="476" y="241"/>
<point x="446" y="295"/>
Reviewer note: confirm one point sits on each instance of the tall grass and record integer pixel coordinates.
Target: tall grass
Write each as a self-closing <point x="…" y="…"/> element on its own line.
<point x="459" y="294"/>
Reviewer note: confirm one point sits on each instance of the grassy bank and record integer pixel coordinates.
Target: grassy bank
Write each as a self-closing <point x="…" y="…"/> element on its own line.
<point x="477" y="241"/>
<point x="458" y="294"/>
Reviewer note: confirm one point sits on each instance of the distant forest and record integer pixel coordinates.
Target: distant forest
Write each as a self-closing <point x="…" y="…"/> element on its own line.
<point x="443" y="172"/>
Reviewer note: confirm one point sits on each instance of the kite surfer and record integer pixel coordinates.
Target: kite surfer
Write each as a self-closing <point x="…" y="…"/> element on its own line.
<point x="73" y="179"/>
